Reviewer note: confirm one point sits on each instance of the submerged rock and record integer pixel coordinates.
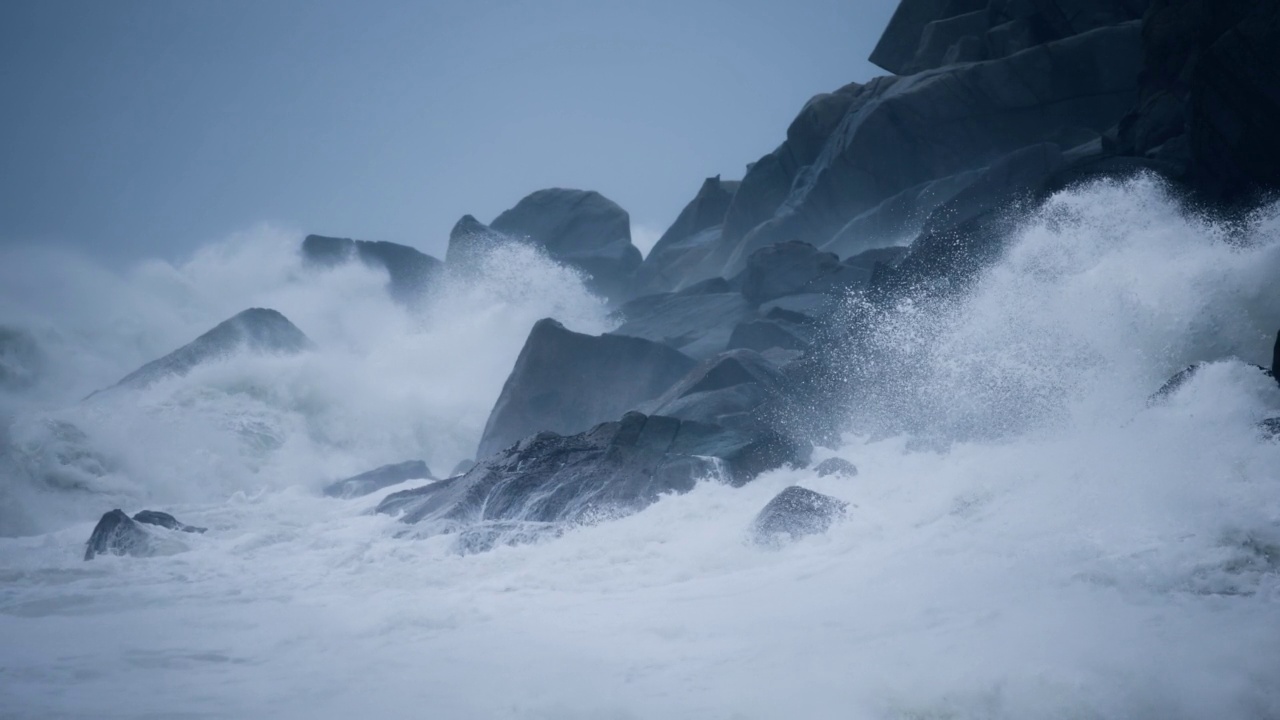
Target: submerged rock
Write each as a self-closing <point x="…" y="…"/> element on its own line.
<point x="836" y="466"/>
<point x="796" y="512"/>
<point x="379" y="478"/>
<point x="165" y="520"/>
<point x="256" y="330"/>
<point x="566" y="382"/>
<point x="614" y="469"/>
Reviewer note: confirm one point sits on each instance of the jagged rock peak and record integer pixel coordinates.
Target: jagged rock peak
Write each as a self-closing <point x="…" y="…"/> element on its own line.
<point x="259" y="330"/>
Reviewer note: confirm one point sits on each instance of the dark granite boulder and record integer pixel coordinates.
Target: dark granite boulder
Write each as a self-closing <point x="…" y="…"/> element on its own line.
<point x="165" y="520"/>
<point x="579" y="228"/>
<point x="794" y="513"/>
<point x="255" y="330"/>
<point x="411" y="272"/>
<point x="379" y="478"/>
<point x="614" y="469"/>
<point x="567" y="382"/>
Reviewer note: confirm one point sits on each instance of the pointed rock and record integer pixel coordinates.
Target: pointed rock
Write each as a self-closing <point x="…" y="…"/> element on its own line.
<point x="256" y="330"/>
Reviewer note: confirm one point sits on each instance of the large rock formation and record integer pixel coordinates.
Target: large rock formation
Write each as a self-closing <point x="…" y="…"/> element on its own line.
<point x="580" y="228"/>
<point x="256" y="330"/>
<point x="614" y="469"/>
<point x="566" y="382"/>
<point x="411" y="272"/>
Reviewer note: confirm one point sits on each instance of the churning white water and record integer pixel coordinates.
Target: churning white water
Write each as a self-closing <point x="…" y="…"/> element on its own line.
<point x="1056" y="549"/>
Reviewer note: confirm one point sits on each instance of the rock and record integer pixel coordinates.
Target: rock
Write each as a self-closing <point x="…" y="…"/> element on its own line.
<point x="567" y="382"/>
<point x="796" y="512"/>
<point x="379" y="478"/>
<point x="614" y="469"/>
<point x="732" y="389"/>
<point x="469" y="240"/>
<point x="255" y="330"/>
<point x="1207" y="104"/>
<point x="117" y="534"/>
<point x="676" y="261"/>
<point x="410" y="272"/>
<point x="769" y="181"/>
<point x="698" y="324"/>
<point x="836" y="466"/>
<point x="462" y="467"/>
<point x="761" y="335"/>
<point x="900" y="43"/>
<point x="165" y="520"/>
<point x="941" y="123"/>
<point x="785" y="269"/>
<point x="579" y="228"/>
<point x="925" y="34"/>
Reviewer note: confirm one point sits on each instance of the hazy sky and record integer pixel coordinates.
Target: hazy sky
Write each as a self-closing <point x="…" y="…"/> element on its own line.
<point x="147" y="128"/>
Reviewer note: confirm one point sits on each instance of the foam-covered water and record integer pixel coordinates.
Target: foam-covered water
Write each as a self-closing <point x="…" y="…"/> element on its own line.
<point x="1057" y="549"/>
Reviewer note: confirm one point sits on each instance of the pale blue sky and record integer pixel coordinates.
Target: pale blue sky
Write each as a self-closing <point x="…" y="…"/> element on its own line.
<point x="147" y="128"/>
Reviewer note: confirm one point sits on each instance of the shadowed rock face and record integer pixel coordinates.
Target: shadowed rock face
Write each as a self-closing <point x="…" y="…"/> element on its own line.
<point x="469" y="239"/>
<point x="785" y="269"/>
<point x="567" y="382"/>
<point x="379" y="478"/>
<point x="1208" y="105"/>
<point x="836" y="466"/>
<point x="411" y="272"/>
<point x="794" y="513"/>
<point x="579" y="228"/>
<point x="613" y="469"/>
<point x="255" y="330"/>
